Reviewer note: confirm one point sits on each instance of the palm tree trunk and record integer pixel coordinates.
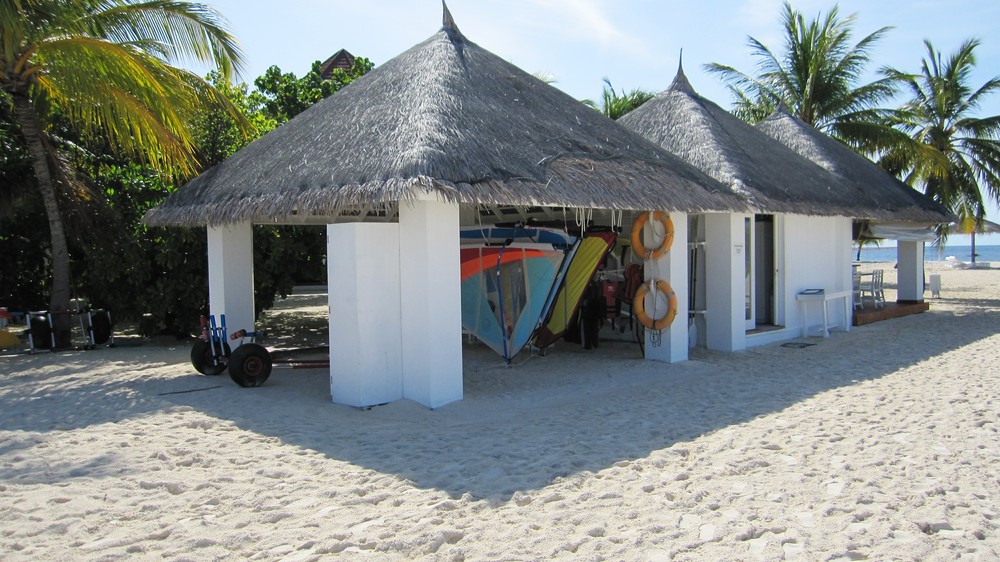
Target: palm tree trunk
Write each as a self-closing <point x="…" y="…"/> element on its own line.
<point x="26" y="118"/>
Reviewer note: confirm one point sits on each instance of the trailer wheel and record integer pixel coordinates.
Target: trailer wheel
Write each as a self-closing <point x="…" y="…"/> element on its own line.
<point x="204" y="360"/>
<point x="250" y="365"/>
<point x="41" y="332"/>
<point x="101" y="325"/>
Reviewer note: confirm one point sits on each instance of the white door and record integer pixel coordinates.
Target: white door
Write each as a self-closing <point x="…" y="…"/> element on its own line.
<point x="749" y="277"/>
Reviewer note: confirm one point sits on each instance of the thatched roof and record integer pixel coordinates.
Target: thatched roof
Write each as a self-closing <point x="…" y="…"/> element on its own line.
<point x="449" y="118"/>
<point x="886" y="197"/>
<point x="768" y="175"/>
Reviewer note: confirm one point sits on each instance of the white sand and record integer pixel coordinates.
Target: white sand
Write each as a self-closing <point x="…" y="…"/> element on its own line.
<point x="882" y="443"/>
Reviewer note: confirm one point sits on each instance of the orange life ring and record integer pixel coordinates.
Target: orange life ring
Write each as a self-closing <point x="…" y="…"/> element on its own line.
<point x="640" y="306"/>
<point x="668" y="237"/>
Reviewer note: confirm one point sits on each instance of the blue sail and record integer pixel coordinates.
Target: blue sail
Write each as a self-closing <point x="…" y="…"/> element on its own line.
<point x="504" y="292"/>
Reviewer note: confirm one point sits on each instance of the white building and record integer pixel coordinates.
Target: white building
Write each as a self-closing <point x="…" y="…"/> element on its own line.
<point x="750" y="269"/>
<point x="448" y="134"/>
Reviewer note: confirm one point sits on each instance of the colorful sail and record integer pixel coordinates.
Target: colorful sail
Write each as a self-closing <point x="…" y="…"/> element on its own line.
<point x="588" y="256"/>
<point x="504" y="291"/>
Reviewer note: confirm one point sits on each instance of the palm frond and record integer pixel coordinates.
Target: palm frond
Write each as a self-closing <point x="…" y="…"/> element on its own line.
<point x="187" y="31"/>
<point x="982" y="128"/>
<point x="983" y="156"/>
<point x="615" y="106"/>
<point x="989" y="87"/>
<point x="815" y="76"/>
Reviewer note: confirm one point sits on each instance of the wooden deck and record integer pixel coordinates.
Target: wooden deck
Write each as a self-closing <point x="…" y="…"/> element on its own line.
<point x="891" y="310"/>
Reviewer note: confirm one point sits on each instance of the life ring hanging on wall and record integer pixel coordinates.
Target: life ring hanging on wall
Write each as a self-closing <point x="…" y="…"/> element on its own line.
<point x="668" y="236"/>
<point x="640" y="306"/>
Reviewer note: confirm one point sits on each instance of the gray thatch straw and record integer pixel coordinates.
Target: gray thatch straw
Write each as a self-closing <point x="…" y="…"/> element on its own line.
<point x="886" y="197"/>
<point x="771" y="177"/>
<point x="449" y="117"/>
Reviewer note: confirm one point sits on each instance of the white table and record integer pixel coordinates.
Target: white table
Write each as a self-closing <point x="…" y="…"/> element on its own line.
<point x="823" y="298"/>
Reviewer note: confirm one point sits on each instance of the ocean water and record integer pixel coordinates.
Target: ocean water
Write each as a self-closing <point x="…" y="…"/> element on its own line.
<point x="964" y="253"/>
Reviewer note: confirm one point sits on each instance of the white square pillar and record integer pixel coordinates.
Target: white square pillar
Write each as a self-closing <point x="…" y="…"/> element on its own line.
<point x="230" y="275"/>
<point x="725" y="282"/>
<point x="670" y="345"/>
<point x="430" y="268"/>
<point x="364" y="287"/>
<point x="910" y="271"/>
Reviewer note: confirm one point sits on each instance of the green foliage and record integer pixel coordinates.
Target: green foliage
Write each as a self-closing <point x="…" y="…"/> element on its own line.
<point x="24" y="268"/>
<point x="217" y="134"/>
<point x="155" y="276"/>
<point x="816" y="77"/>
<point x="117" y="263"/>
<point x="615" y="106"/>
<point x="285" y="95"/>
<point x="284" y="256"/>
<point x="862" y="242"/>
<point x="107" y="66"/>
<point x="105" y="69"/>
<point x="953" y="155"/>
<point x="133" y="269"/>
<point x="16" y="175"/>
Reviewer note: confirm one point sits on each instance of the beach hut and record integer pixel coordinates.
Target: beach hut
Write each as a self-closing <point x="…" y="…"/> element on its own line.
<point x="749" y="268"/>
<point x="893" y="210"/>
<point x="444" y="134"/>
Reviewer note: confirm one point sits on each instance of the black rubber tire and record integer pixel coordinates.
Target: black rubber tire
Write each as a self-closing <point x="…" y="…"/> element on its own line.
<point x="250" y="365"/>
<point x="202" y="359"/>
<point x="41" y="332"/>
<point x="101" y="325"/>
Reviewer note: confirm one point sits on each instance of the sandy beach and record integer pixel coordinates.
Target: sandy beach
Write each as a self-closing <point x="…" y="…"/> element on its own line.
<point x="878" y="444"/>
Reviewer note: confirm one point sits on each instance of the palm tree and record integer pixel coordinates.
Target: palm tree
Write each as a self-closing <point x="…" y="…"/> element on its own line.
<point x="615" y="106"/>
<point x="815" y="78"/>
<point x="106" y="67"/>
<point x="955" y="156"/>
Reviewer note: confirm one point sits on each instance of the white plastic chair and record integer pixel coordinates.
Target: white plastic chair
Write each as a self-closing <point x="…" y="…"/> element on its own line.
<point x="878" y="294"/>
<point x="859" y="303"/>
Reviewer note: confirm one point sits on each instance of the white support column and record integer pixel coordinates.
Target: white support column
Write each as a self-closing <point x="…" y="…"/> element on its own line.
<point x="725" y="290"/>
<point x="910" y="271"/>
<point x="671" y="345"/>
<point x="365" y="342"/>
<point x="430" y="268"/>
<point x="230" y="275"/>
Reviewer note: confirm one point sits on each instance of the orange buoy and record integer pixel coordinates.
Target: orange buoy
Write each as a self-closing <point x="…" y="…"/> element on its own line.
<point x="668" y="236"/>
<point x="640" y="306"/>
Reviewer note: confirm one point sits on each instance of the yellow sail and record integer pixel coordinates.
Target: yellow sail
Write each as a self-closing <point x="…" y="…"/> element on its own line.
<point x="581" y="270"/>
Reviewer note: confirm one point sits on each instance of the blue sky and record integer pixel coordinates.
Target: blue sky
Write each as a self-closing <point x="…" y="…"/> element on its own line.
<point x="634" y="43"/>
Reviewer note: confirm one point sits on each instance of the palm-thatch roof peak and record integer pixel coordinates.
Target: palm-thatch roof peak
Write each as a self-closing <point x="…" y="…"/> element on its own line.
<point x="681" y="83"/>
<point x="449" y="119"/>
<point x="767" y="175"/>
<point x="896" y="200"/>
<point x="448" y="22"/>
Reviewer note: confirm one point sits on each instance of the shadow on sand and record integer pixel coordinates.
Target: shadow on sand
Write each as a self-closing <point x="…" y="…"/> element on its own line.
<point x="517" y="429"/>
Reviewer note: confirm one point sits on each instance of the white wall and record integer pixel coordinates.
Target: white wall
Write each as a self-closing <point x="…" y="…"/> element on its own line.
<point x="230" y="276"/>
<point x="910" y="273"/>
<point x="724" y="282"/>
<point x="817" y="255"/>
<point x="431" y="325"/>
<point x="395" y="308"/>
<point x="671" y="345"/>
<point x="364" y="294"/>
